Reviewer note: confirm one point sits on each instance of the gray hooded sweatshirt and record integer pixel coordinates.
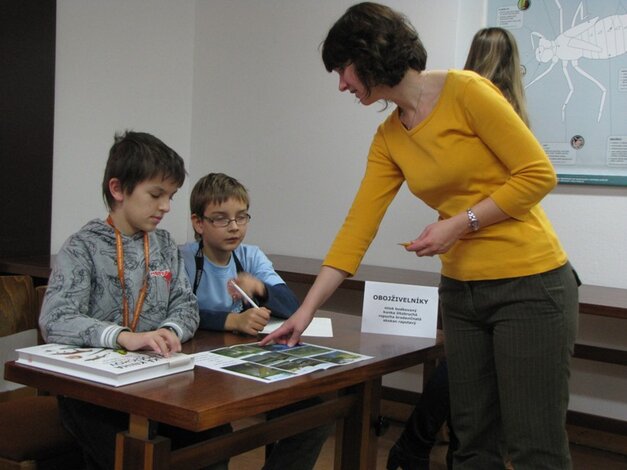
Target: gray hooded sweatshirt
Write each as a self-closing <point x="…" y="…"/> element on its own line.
<point x="83" y="302"/>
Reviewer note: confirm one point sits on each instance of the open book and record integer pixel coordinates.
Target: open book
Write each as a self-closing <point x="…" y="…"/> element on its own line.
<point x="108" y="366"/>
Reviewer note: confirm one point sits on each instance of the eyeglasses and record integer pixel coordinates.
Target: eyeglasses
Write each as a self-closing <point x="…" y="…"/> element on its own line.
<point x="222" y="222"/>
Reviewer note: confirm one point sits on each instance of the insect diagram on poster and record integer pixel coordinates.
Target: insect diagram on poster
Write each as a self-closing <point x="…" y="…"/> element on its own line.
<point x="573" y="56"/>
<point x="400" y="309"/>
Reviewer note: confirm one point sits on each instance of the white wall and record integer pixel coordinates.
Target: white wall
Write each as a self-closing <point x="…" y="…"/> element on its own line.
<point x="238" y="86"/>
<point x="119" y="65"/>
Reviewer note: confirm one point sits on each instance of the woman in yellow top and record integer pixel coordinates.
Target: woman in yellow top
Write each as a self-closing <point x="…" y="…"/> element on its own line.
<point x="493" y="54"/>
<point x="508" y="295"/>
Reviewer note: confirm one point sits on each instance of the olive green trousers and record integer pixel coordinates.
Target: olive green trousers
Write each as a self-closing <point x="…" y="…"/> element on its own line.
<point x="508" y="344"/>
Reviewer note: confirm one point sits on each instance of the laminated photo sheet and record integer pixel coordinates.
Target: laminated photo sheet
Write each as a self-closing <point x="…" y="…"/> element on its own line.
<point x="274" y="362"/>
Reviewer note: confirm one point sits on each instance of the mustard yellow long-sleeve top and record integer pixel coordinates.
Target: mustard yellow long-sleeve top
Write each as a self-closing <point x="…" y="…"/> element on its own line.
<point x="472" y="146"/>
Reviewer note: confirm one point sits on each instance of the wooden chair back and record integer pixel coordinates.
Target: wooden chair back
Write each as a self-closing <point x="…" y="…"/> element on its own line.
<point x="31" y="434"/>
<point x="19" y="305"/>
<point x="19" y="314"/>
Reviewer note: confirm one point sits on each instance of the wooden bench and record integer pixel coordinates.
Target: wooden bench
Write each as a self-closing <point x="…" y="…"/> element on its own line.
<point x="604" y="302"/>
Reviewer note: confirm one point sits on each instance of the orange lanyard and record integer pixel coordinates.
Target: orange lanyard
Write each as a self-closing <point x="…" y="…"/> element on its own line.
<point x="119" y="246"/>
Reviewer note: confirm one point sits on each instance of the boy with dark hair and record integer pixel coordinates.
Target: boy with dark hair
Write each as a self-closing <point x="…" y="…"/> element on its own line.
<point x="219" y="206"/>
<point x="120" y="283"/>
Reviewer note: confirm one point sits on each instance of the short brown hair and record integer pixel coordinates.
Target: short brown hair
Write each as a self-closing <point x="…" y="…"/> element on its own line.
<point x="215" y="188"/>
<point x="381" y="43"/>
<point x="136" y="157"/>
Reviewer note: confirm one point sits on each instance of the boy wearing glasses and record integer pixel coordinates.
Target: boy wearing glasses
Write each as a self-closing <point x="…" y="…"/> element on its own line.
<point x="219" y="206"/>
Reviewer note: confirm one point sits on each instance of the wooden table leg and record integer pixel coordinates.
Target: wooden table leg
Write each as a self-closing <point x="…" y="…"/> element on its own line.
<point x="135" y="449"/>
<point x="356" y="441"/>
<point x="428" y="367"/>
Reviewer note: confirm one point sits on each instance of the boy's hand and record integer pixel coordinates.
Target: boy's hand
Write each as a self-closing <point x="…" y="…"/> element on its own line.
<point x="249" y="284"/>
<point x="250" y="321"/>
<point x="161" y="341"/>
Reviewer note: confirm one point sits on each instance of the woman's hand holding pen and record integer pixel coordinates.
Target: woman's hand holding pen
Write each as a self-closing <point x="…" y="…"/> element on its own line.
<point x="438" y="237"/>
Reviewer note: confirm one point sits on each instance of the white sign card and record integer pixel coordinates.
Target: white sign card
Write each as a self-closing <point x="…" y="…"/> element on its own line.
<point x="400" y="309"/>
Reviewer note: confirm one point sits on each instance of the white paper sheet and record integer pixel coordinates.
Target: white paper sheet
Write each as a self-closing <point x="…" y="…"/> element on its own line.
<point x="320" y="327"/>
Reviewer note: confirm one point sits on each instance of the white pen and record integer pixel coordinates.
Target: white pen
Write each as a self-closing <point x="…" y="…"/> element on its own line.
<point x="244" y="294"/>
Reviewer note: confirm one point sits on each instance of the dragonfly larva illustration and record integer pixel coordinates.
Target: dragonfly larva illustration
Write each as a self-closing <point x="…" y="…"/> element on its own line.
<point x="595" y="39"/>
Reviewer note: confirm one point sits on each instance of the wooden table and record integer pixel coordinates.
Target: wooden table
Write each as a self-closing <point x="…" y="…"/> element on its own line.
<point x="201" y="399"/>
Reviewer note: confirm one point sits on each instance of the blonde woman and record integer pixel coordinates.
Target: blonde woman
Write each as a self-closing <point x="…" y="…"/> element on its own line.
<point x="494" y="54"/>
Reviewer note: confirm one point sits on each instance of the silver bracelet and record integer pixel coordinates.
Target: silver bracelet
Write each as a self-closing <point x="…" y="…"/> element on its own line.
<point x="473" y="222"/>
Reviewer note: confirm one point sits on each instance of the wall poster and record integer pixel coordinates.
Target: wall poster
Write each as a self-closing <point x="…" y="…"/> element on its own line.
<point x="574" y="61"/>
